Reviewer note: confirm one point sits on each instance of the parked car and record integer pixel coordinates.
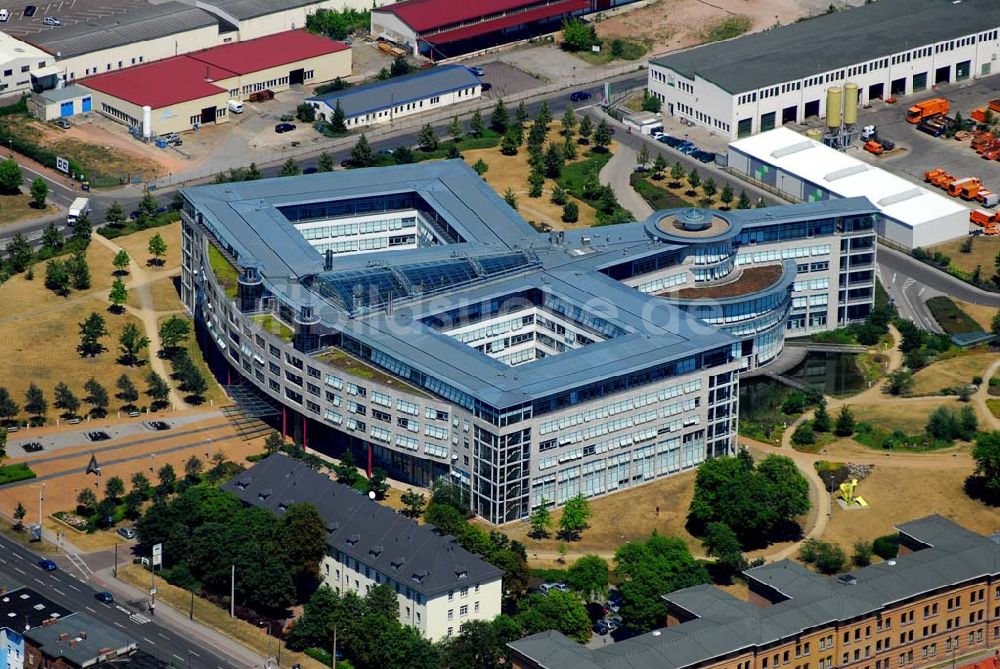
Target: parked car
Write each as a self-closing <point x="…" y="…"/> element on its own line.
<point x="605" y="626"/>
<point x="47" y="565"/>
<point x="126" y="532"/>
<point x="32" y="447"/>
<point x="172" y="138"/>
<point x="262" y="96"/>
<point x="687" y="148"/>
<point x="477" y="70"/>
<point x="104" y="597"/>
<point x="657" y="135"/>
<point x="284" y="127"/>
<point x="486" y="86"/>
<point x="63" y="123"/>
<point x="51" y="21"/>
<point x="29" y="11"/>
<point x="704" y="156"/>
<point x="309" y="170"/>
<point x="546" y="588"/>
<point x="4" y="15"/>
<point x="578" y="96"/>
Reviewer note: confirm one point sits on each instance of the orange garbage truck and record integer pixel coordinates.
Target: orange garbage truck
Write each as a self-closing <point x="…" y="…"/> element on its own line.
<point x="926" y="109"/>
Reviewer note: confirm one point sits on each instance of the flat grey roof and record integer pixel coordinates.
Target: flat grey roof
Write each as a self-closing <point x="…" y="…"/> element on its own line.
<point x="724" y="624"/>
<point x="21" y="606"/>
<point x="86" y="640"/>
<point x="832" y="41"/>
<point x="70" y="92"/>
<point x="413" y="555"/>
<point x="143" y="23"/>
<point x="400" y="90"/>
<point x="250" y="9"/>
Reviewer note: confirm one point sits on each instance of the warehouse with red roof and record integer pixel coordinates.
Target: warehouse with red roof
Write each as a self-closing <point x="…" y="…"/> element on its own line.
<point x="191" y="91"/>
<point x="445" y="28"/>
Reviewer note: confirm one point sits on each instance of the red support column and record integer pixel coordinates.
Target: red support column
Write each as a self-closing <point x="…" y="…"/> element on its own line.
<point x="369" y="460"/>
<point x="305" y="438"/>
<point x="284" y="422"/>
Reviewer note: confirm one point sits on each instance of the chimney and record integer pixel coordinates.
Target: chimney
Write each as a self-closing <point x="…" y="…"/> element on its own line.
<point x="63" y="636"/>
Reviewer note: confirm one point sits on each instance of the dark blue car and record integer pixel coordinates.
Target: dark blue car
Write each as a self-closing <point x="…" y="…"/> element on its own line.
<point x="580" y="95"/>
<point x="47" y="565"/>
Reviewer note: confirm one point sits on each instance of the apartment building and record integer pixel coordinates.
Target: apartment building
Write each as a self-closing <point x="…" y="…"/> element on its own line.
<point x="525" y="367"/>
<point x="756" y="83"/>
<point x="939" y="600"/>
<point x="439" y="584"/>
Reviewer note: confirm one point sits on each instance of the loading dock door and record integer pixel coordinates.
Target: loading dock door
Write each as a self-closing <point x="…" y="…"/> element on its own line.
<point x="789" y="115"/>
<point x="66" y="108"/>
<point x="898" y="87"/>
<point x="919" y="81"/>
<point x="86" y="104"/>
<point x="962" y="70"/>
<point x="876" y="91"/>
<point x="812" y="108"/>
<point x="296" y="77"/>
<point x="767" y="122"/>
<point x="942" y="75"/>
<point x="208" y="115"/>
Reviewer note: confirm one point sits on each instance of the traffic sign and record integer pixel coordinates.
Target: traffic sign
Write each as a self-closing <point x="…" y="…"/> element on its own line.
<point x="62" y="164"/>
<point x="157" y="555"/>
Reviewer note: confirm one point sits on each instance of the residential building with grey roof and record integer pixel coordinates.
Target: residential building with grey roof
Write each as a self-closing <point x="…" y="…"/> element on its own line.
<point x="409" y="315"/>
<point x="439" y="584"/>
<point x="76" y="642"/>
<point x="887" y="48"/>
<point x="936" y="601"/>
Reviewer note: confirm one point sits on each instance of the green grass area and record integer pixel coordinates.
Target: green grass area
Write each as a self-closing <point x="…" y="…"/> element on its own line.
<point x="615" y="49"/>
<point x="575" y="178"/>
<point x="657" y="198"/>
<point x="345" y="361"/>
<point x="14" y="473"/>
<point x="763" y="405"/>
<point x="950" y="317"/>
<point x="134" y="225"/>
<point x="270" y="323"/>
<point x="882" y="439"/>
<point x="727" y="28"/>
<point x="225" y="273"/>
<point x="994" y="406"/>
<point x="489" y="140"/>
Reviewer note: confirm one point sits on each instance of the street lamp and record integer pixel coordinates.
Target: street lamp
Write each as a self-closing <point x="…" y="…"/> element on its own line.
<point x="267" y="625"/>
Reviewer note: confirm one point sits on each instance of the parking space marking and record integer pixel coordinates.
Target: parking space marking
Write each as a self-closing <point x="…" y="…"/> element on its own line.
<point x="18" y="569"/>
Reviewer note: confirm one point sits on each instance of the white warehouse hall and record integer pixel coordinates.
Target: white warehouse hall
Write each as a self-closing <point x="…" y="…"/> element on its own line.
<point x="802" y="169"/>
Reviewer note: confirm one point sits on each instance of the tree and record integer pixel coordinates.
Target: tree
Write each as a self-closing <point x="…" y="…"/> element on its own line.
<point x="476" y="125"/>
<point x="569" y="121"/>
<point x="8" y="407"/>
<point x="560" y="611"/>
<point x="86" y="501"/>
<point x="347" y="469"/>
<point x="118" y="295"/>
<point x="305" y="112"/>
<point x="273" y="443"/>
<point x="133" y="505"/>
<point x="995" y="325"/>
<point x="19" y="253"/>
<point x="378" y="484"/>
<point x="97" y="398"/>
<point x="541" y="521"/>
<point x="338" y="120"/>
<point x="482" y="644"/>
<point x="727" y="195"/>
<point x="158" y="390"/>
<point x="744" y="201"/>
<point x="570" y="212"/>
<point x="536" y="181"/>
<point x="578" y="36"/>
<point x="709" y="188"/>
<point x="426" y="139"/>
<point x="325" y="162"/>
<point x="114" y="488"/>
<point x="39" y="192"/>
<point x="148" y="208"/>
<point x="56" y="277"/>
<point x="127" y="392"/>
<point x="862" y="556"/>
<point x="140" y="484"/>
<point x="81" y="230"/>
<point x="290" y="168"/>
<point x="693" y="178"/>
<point x="677" y="172"/>
<point x="35" y="403"/>
<point x="193" y="468"/>
<point x="722" y="543"/>
<point x="829" y="558"/>
<point x="499" y="119"/>
<point x="559" y="195"/>
<point x="166" y="478"/>
<point x="158" y="248"/>
<point x="510" y="197"/>
<point x="10" y="176"/>
<point x="174" y="332"/>
<point x="553" y="161"/>
<point x="845" y="422"/>
<point x="121" y="262"/>
<point x="589" y="576"/>
<point x="304" y="540"/>
<point x="362" y="154"/>
<point x="659" y="166"/>
<point x="455" y="129"/>
<point x="576" y="513"/>
<point x="986" y="453"/>
<point x="642" y="158"/>
<point x="602" y="136"/>
<point x="900" y="381"/>
<point x="804" y="435"/>
<point x="52" y="239"/>
<point x="131" y="343"/>
<point x="115" y="216"/>
<point x="521" y="114"/>
<point x="399" y="67"/>
<point x="509" y="143"/>
<point x="79" y="270"/>
<point x="480" y="167"/>
<point x="19" y="513"/>
<point x="651" y="103"/>
<point x="66" y="400"/>
<point x="414" y="503"/>
<point x="586" y="129"/>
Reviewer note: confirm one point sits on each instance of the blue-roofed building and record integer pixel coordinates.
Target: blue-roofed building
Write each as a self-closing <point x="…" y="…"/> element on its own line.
<point x="409" y="315"/>
<point x="395" y="98"/>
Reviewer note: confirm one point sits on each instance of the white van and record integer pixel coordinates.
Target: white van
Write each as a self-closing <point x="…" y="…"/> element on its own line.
<point x="4" y="15"/>
<point x="236" y="106"/>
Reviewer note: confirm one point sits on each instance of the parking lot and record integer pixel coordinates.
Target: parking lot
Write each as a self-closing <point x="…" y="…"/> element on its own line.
<point x="506" y="80"/>
<point x="68" y="12"/>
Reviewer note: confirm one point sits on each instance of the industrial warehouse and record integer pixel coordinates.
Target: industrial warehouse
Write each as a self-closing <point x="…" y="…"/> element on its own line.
<point x="592" y="360"/>
<point x="194" y="90"/>
<point x="887" y="48"/>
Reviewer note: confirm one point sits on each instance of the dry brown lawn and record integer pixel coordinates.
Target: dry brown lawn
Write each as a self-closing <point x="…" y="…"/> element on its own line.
<point x="621" y="517"/>
<point x="981" y="314"/>
<point x="15" y="208"/>
<point x="512" y="172"/>
<point x="900" y="494"/>
<point x="984" y="253"/>
<point x="947" y="373"/>
<point x="137" y="245"/>
<point x="908" y="416"/>
<point x="164" y="293"/>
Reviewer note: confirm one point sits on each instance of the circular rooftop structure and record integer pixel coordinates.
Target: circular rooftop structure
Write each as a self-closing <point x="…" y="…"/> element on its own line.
<point x="689" y="225"/>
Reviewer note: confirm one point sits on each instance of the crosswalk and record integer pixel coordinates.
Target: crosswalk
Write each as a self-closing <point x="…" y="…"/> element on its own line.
<point x="138" y="619"/>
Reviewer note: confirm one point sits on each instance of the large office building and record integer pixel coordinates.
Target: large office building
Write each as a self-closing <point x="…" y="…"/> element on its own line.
<point x="439" y="585"/>
<point x="888" y="48"/>
<point x="409" y="314"/>
<point x="937" y="601"/>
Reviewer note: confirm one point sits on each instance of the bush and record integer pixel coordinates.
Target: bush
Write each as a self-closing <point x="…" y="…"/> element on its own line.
<point x="18" y="472"/>
<point x="829" y="558"/>
<point x="804" y="435"/>
<point x="886" y="546"/>
<point x="571" y="212"/>
<point x="862" y="556"/>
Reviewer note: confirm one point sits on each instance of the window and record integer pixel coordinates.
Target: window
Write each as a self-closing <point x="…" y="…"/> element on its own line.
<point x="451" y="615"/>
<point x="463" y="611"/>
<point x="436" y="99"/>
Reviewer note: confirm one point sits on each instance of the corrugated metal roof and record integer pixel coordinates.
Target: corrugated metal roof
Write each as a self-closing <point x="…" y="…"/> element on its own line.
<point x="425" y="15"/>
<point x="400" y="90"/>
<point x="250" y="9"/>
<point x="832" y="41"/>
<point x="507" y="21"/>
<point x="290" y="46"/>
<point x="161" y="83"/>
<point x="137" y="25"/>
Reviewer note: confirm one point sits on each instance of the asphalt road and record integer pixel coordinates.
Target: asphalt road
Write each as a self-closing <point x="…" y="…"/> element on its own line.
<point x="19" y="564"/>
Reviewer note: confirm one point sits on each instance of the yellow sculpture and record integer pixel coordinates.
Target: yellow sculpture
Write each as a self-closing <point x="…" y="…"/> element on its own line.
<point x="847" y="489"/>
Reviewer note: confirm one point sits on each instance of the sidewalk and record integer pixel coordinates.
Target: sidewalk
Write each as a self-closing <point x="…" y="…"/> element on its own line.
<point x="617" y="174"/>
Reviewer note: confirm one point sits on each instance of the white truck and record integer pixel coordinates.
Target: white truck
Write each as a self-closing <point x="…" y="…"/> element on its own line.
<point x="80" y="207"/>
